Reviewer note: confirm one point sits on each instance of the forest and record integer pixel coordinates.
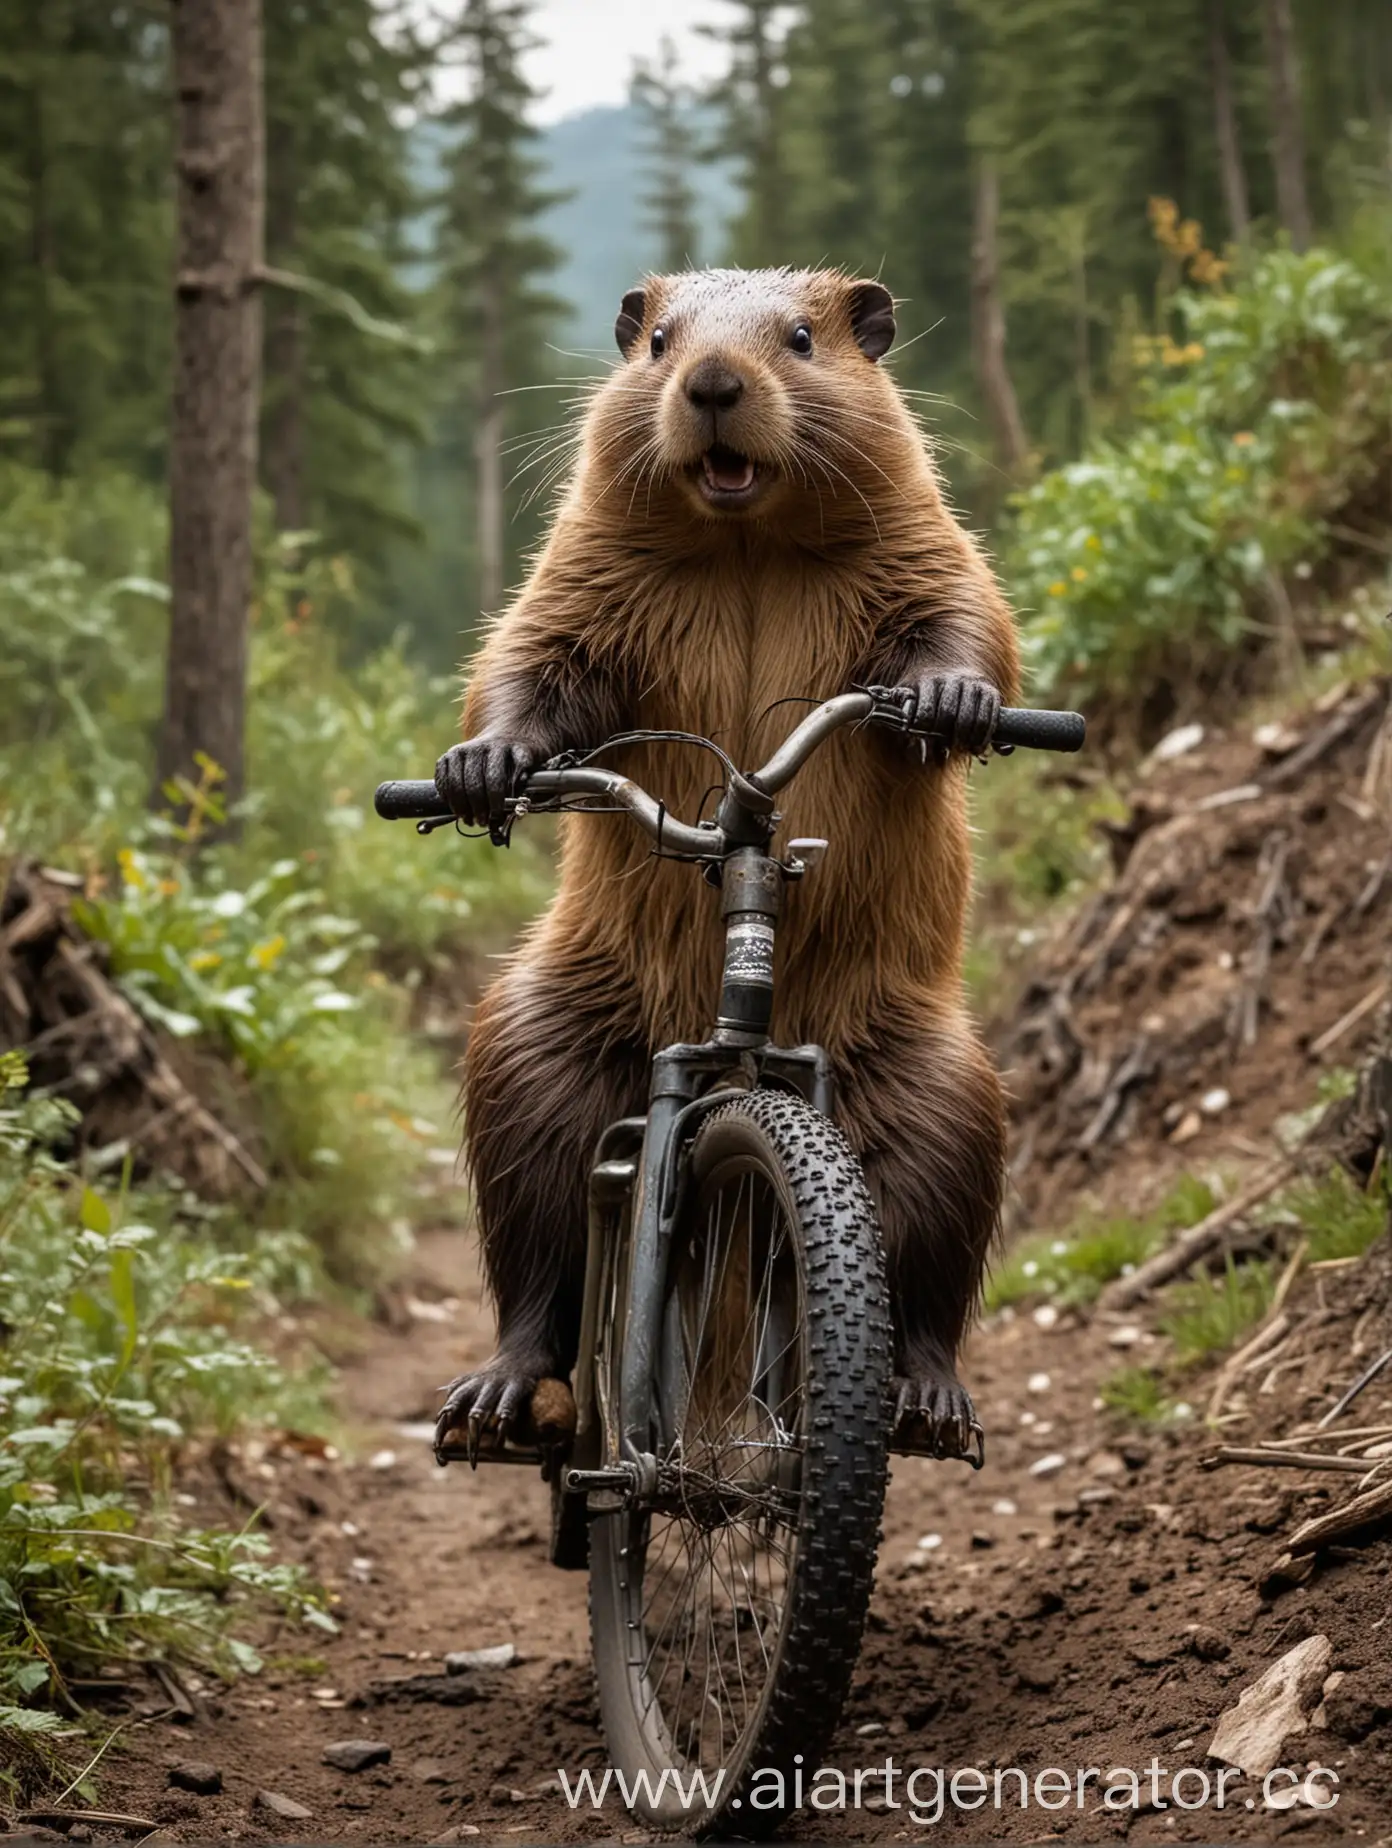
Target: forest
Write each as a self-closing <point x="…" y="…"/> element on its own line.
<point x="289" y="384"/>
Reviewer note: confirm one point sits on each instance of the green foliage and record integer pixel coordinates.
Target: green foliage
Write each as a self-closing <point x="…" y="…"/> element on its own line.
<point x="1159" y="553"/>
<point x="1338" y="1218"/>
<point x="1137" y="1394"/>
<point x="279" y="983"/>
<point x="1207" y="1315"/>
<point x="122" y="1346"/>
<point x="282" y="970"/>
<point x="1071" y="1270"/>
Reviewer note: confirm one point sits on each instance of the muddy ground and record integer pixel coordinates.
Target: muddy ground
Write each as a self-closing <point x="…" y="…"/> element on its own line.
<point x="1092" y="1598"/>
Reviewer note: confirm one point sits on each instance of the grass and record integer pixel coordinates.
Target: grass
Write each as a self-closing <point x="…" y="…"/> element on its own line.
<point x="1208" y="1315"/>
<point x="1137" y="1394"/>
<point x="1071" y="1270"/>
<point x="1338" y="1218"/>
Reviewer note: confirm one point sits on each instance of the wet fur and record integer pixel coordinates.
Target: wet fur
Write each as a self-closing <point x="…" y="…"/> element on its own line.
<point x="646" y="610"/>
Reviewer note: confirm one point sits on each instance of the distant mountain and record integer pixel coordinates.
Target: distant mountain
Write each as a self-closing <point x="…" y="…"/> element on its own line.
<point x="596" y="160"/>
<point x="598" y="156"/>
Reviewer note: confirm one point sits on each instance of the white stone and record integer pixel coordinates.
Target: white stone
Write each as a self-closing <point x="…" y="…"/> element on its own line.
<point x="1251" y="1734"/>
<point x="1049" y="1465"/>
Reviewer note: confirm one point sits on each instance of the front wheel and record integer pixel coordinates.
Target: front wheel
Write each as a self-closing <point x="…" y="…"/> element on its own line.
<point x="727" y="1609"/>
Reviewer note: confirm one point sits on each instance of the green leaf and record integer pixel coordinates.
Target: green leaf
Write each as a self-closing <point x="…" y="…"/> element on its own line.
<point x="94" y="1213"/>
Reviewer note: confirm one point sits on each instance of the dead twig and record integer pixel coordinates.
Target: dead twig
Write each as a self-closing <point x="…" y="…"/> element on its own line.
<point x="1365" y="1378"/>
<point x="1350" y="1020"/>
<point x="1196" y="1242"/>
<point x="1286" y="1459"/>
<point x="1323" y="741"/>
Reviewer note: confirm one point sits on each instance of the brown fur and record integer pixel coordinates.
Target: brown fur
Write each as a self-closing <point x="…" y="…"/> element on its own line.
<point x="648" y="608"/>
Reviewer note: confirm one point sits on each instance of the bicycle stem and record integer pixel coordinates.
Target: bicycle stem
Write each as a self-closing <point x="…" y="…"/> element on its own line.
<point x="751" y="897"/>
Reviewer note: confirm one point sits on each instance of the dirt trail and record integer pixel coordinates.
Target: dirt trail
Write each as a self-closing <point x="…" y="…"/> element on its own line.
<point x="1099" y="1613"/>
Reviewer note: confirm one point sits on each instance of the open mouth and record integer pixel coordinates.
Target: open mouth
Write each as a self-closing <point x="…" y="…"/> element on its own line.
<point x="726" y="478"/>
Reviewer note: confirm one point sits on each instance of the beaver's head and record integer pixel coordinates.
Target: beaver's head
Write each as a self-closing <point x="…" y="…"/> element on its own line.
<point x="741" y="388"/>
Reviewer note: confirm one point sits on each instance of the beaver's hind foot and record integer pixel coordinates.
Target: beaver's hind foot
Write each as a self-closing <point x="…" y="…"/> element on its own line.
<point x="505" y="1403"/>
<point x="934" y="1417"/>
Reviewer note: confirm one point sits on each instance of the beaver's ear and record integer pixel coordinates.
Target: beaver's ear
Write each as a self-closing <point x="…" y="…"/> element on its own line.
<point x="630" y="322"/>
<point x="872" y="318"/>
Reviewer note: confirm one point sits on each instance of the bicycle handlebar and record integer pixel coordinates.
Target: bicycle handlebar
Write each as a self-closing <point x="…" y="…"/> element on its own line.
<point x="419" y="800"/>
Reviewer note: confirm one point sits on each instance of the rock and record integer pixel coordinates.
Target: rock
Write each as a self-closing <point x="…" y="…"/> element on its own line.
<point x="1004" y="1507"/>
<point x="929" y="1543"/>
<point x="432" y="1771"/>
<point x="504" y="1793"/>
<point x="1038" y="1382"/>
<point x="357" y="1754"/>
<point x="1135" y="1456"/>
<point x="1177" y="743"/>
<point x="1045" y="1316"/>
<point x="501" y="1655"/>
<point x="1049" y="1465"/>
<point x="981" y="1542"/>
<point x="1039" y="1680"/>
<point x="1124" y="1337"/>
<point x="450" y="1690"/>
<point x="1188" y="1126"/>
<point x="285" y="1807"/>
<point x="1251" y="1734"/>
<point x="1105" y="1463"/>
<point x="204" y="1780"/>
<point x="1215" y="1102"/>
<point x="1359" y="1704"/>
<point x="1208" y="1644"/>
<point x="382" y="1459"/>
<point x="459" y="1833"/>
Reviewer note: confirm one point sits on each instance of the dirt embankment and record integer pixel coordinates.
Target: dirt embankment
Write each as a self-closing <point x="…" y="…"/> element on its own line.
<point x="1094" y="1597"/>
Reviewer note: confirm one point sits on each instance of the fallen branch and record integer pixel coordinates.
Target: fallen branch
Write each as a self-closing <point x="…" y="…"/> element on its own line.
<point x="1286" y="1459"/>
<point x="1341" y="1026"/>
<point x="1368" y="1510"/>
<point x="1196" y="1242"/>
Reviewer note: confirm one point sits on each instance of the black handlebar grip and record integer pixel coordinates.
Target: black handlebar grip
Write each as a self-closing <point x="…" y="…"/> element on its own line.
<point x="1040" y="731"/>
<point x="416" y="800"/>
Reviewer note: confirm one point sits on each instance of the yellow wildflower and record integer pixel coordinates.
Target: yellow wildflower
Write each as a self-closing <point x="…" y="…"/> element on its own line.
<point x="268" y="954"/>
<point x="1243" y="438"/>
<point x="1078" y="575"/>
<point x="205" y="959"/>
<point x="1058" y="589"/>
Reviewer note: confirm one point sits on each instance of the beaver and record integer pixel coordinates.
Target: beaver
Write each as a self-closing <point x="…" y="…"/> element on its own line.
<point x="754" y="517"/>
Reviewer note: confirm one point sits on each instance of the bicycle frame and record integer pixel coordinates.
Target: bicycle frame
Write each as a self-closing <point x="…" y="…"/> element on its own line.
<point x="638" y="1172"/>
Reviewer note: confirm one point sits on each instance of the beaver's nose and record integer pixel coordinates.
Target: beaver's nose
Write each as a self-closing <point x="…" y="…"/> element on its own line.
<point x="713" y="386"/>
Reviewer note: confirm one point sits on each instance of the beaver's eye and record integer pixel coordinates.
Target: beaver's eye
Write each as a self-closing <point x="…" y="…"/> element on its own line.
<point x="659" y="343"/>
<point x="802" y="340"/>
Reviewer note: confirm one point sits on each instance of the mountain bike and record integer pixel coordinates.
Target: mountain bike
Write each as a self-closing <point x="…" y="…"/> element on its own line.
<point x="727" y="1474"/>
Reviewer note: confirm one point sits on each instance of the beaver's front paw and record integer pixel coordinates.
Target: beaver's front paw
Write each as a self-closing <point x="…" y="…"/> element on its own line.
<point x="959" y="710"/>
<point x="934" y="1417"/>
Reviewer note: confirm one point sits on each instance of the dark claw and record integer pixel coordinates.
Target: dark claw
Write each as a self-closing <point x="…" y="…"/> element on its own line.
<point x="934" y="1416"/>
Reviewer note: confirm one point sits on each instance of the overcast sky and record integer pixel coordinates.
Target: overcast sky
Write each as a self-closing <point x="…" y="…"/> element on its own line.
<point x="591" y="44"/>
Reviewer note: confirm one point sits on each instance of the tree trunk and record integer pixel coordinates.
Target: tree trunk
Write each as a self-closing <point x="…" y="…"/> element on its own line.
<point x="220" y="175"/>
<point x="1287" y="132"/>
<point x="283" y="436"/>
<point x="1230" y="166"/>
<point x="988" y="325"/>
<point x="488" y="451"/>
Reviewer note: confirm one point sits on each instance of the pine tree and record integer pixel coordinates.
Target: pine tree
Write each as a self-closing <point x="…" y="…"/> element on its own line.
<point x="340" y="403"/>
<point x="217" y="366"/>
<point x="670" y="149"/>
<point x="496" y="313"/>
<point x="750" y="98"/>
<point x="85" y="212"/>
